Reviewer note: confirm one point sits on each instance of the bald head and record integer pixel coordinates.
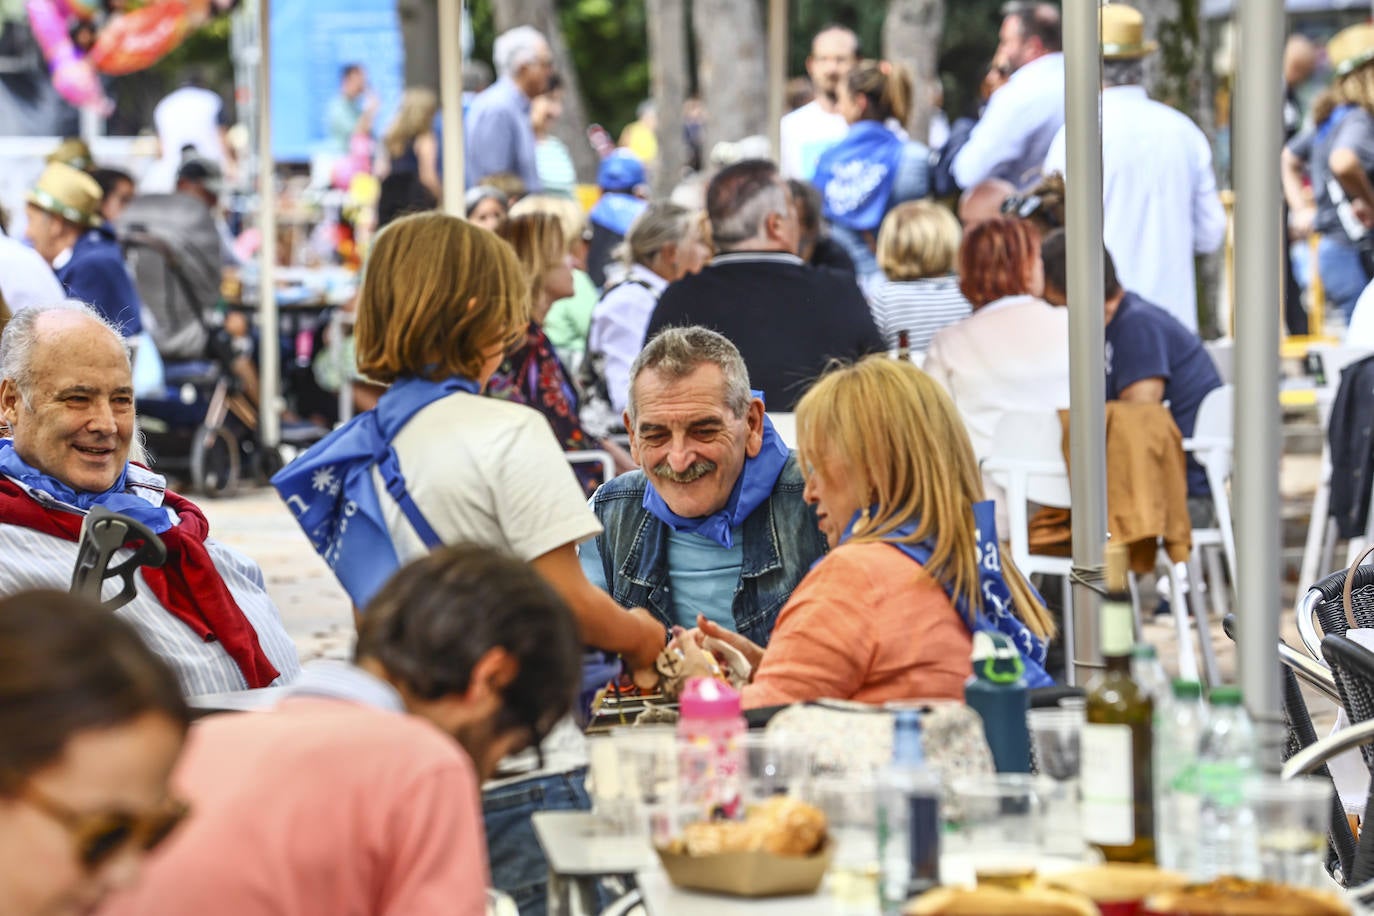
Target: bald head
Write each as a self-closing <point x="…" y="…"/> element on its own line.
<point x="1299" y="60"/>
<point x="983" y="201"/>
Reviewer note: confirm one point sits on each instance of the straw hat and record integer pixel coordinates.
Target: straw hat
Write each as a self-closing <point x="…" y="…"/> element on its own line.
<point x="74" y="152"/>
<point x="67" y="192"/>
<point x="1351" y="48"/>
<point x="1123" y="33"/>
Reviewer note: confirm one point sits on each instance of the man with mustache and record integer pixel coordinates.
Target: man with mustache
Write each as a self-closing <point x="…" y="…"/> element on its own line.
<point x="67" y="401"/>
<point x="714" y="522"/>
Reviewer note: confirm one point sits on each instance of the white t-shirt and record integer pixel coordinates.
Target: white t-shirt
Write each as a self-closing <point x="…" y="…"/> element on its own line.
<point x="490" y="472"/>
<point x="187" y="117"/>
<point x="807" y="133"/>
<point x="486" y="471"/>
<point x="25" y="278"/>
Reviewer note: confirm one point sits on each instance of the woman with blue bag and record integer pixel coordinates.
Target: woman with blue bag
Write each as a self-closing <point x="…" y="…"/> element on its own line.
<point x="436" y="463"/>
<point x="914" y="568"/>
<point x="875" y="166"/>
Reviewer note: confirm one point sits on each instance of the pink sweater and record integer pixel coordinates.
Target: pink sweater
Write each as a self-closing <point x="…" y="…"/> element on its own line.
<point x="319" y="806"/>
<point x="868" y="624"/>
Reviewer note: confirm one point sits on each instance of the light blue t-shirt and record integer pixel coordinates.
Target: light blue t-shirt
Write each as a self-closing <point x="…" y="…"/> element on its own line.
<point x="704" y="577"/>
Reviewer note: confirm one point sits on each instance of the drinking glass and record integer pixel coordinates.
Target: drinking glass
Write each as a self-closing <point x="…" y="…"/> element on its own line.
<point x="649" y="768"/>
<point x="998" y="834"/>
<point x="851" y="812"/>
<point x="612" y="806"/>
<point x="773" y="765"/>
<point x="1291" y="819"/>
<point x="1055" y="736"/>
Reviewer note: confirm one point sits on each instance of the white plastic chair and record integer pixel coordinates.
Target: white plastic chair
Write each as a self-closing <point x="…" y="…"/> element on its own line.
<point x="1212" y="444"/>
<point x="1027" y="462"/>
<point x="1317" y="553"/>
<point x="594" y="456"/>
<point x="786" y="426"/>
<point x="1223" y="353"/>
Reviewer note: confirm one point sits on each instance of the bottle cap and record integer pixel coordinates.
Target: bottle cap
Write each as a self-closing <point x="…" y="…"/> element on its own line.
<point x="1225" y="696"/>
<point x="906" y="739"/>
<point x="708" y="698"/>
<point x="1187" y="690"/>
<point x="1144" y="650"/>
<point x="1116" y="560"/>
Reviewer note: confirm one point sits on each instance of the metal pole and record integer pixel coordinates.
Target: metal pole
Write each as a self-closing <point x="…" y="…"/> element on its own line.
<point x="777" y="73"/>
<point x="269" y="346"/>
<point x="1087" y="383"/>
<point x="1258" y="134"/>
<point x="451" y="96"/>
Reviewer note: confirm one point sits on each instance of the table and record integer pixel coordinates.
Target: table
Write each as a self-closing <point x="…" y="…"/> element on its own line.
<point x="578" y="856"/>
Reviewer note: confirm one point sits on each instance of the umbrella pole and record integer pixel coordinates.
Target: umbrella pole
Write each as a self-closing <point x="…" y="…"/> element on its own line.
<point x="451" y="97"/>
<point x="269" y="330"/>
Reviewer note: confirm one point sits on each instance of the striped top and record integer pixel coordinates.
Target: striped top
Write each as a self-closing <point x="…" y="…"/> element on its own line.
<point x="554" y="164"/>
<point x="36" y="560"/>
<point x="919" y="307"/>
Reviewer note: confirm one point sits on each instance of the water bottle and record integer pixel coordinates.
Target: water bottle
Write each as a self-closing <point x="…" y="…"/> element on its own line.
<point x="998" y="694"/>
<point x="1176" y="785"/>
<point x="908" y="819"/>
<point x="711" y="755"/>
<point x="1226" y="756"/>
<point x="1147" y="671"/>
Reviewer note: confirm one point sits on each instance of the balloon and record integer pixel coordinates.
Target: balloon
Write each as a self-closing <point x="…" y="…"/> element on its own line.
<point x="84" y="10"/>
<point x="137" y="40"/>
<point x="72" y="75"/>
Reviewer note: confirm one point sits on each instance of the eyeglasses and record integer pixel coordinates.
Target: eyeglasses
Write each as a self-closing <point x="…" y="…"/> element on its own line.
<point x="100" y="835"/>
<point x="1028" y="206"/>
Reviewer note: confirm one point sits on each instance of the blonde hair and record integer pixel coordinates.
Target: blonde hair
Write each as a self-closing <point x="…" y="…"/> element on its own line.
<point x="1357" y="87"/>
<point x="569" y="214"/>
<point x="537" y="239"/>
<point x="919" y="238"/>
<point x="438" y="295"/>
<point x="886" y="85"/>
<point x="414" y="117"/>
<point x="898" y="434"/>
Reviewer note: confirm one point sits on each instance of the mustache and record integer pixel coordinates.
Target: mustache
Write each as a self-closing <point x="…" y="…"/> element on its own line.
<point x="697" y="471"/>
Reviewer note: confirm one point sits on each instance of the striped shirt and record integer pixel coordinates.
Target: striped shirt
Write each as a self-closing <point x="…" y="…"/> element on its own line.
<point x="555" y="167"/>
<point x="32" y="559"/>
<point x="919" y="307"/>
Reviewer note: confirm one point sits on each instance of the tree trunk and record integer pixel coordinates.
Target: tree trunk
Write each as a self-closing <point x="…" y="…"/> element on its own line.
<point x="731" y="68"/>
<point x="420" y="38"/>
<point x="667" y="27"/>
<point x="572" y="127"/>
<point x="911" y="37"/>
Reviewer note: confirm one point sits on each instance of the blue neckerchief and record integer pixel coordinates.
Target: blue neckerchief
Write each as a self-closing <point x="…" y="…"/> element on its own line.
<point x="856" y="176"/>
<point x="330" y="489"/>
<point x="1337" y="115"/>
<point x="615" y="211"/>
<point x="115" y="498"/>
<point x="998" y="613"/>
<point x="755" y="485"/>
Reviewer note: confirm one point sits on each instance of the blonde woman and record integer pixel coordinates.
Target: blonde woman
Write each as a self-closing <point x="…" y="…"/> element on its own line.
<point x="889" y="613"/>
<point x="918" y="250"/>
<point x="568" y="318"/>
<point x="410" y="150"/>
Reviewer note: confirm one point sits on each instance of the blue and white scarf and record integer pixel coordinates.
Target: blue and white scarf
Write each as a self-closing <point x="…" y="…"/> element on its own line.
<point x="998" y="613"/>
<point x="856" y="175"/>
<point x="116" y="498"/>
<point x="755" y="485"/>
<point x="330" y="489"/>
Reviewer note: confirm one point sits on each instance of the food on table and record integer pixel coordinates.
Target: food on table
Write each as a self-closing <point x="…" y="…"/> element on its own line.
<point x="997" y="901"/>
<point x="781" y="826"/>
<point x="1242" y="897"/>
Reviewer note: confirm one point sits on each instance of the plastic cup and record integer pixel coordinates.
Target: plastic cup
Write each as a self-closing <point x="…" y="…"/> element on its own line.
<point x="773" y="765"/>
<point x="1056" y="735"/>
<point x="1291" y="820"/>
<point x="1000" y="828"/>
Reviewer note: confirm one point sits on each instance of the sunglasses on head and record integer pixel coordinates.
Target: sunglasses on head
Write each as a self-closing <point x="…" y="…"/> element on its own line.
<point x="99" y="836"/>
<point x="1024" y="207"/>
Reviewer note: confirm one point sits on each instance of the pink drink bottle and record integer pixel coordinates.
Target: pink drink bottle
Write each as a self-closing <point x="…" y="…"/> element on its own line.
<point x="711" y="754"/>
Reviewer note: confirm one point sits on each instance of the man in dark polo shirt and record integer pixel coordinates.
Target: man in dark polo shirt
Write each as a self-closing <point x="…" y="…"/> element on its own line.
<point x="1150" y="357"/>
<point x="787" y="319"/>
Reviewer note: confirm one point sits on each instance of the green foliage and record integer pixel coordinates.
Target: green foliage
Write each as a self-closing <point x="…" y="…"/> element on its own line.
<point x="1180" y="43"/>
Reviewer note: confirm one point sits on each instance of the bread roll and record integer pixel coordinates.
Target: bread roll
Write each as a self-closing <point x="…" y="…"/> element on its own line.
<point x="997" y="901"/>
<point x="1238" y="897"/>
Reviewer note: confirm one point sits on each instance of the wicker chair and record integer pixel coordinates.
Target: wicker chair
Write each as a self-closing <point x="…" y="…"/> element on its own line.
<point x="1320" y="610"/>
<point x="1301" y="735"/>
<point x="1313" y="760"/>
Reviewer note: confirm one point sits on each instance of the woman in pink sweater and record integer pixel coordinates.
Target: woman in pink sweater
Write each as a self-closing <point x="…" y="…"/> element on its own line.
<point x="913" y="569"/>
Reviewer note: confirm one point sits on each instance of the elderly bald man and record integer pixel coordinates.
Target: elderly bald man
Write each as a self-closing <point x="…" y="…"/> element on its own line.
<point x="66" y="396"/>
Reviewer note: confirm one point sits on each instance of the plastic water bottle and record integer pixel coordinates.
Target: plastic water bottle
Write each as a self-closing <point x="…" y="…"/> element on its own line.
<point x="908" y="819"/>
<point x="1226" y="756"/>
<point x="711" y="755"/>
<point x="1147" y="671"/>
<point x="998" y="694"/>
<point x="1176" y="779"/>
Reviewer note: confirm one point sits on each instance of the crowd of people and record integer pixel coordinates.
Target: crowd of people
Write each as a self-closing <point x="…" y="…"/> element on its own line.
<point x="795" y="374"/>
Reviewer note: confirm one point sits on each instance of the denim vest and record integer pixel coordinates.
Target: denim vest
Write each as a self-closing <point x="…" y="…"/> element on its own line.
<point x="780" y="541"/>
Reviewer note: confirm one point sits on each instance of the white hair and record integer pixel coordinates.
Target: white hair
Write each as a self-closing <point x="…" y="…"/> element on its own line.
<point x="17" y="343"/>
<point x="675" y="353"/>
<point x="516" y="47"/>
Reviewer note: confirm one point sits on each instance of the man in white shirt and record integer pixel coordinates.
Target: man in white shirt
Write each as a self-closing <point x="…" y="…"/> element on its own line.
<point x="818" y="125"/>
<point x="25" y="278"/>
<point x="1010" y="139"/>
<point x="1160" y="205"/>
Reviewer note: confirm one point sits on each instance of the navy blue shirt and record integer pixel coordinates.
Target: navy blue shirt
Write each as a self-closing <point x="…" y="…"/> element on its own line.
<point x="1144" y="341"/>
<point x="95" y="274"/>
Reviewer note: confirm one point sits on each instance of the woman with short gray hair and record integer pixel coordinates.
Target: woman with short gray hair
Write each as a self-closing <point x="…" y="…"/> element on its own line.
<point x="664" y="243"/>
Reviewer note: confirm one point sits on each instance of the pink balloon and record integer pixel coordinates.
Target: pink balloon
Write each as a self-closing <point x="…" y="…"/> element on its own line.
<point x="72" y="75"/>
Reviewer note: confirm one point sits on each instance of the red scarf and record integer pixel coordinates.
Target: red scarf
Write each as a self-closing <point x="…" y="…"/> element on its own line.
<point x="188" y="585"/>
